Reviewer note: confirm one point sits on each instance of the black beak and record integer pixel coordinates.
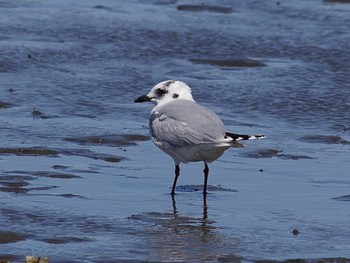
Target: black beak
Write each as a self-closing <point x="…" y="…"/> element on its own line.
<point x="142" y="99"/>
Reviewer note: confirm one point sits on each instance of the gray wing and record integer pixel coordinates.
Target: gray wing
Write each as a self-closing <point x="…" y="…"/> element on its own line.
<point x="182" y="123"/>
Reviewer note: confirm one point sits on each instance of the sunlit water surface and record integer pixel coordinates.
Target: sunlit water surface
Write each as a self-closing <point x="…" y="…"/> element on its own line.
<point x="80" y="181"/>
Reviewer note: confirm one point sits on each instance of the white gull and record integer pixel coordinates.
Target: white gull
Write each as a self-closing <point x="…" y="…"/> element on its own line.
<point x="185" y="130"/>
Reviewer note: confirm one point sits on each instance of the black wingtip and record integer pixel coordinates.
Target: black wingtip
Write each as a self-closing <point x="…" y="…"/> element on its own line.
<point x="238" y="137"/>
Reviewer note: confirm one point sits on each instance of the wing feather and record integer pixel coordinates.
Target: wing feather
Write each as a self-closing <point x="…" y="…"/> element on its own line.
<point x="183" y="123"/>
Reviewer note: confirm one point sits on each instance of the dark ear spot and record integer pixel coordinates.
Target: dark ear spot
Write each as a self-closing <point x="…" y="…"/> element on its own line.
<point x="175" y="96"/>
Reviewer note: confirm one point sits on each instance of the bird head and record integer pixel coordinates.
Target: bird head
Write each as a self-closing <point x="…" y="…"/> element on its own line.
<point x="166" y="91"/>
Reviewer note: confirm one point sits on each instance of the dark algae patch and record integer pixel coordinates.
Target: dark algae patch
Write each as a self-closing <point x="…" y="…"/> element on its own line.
<point x="300" y="260"/>
<point x="136" y="137"/>
<point x="4" y="105"/>
<point x="38" y="114"/>
<point x="45" y="152"/>
<point x="17" y="184"/>
<point x="14" y="187"/>
<point x="269" y="153"/>
<point x="55" y="175"/>
<point x="337" y="1"/>
<point x="30" y="151"/>
<point x="65" y="240"/>
<point x="109" y="140"/>
<point x="326" y="139"/>
<point x="264" y="153"/>
<point x="230" y="63"/>
<point x="10" y="237"/>
<point x="93" y="155"/>
<point x="205" y="8"/>
<point x="60" y="167"/>
<point x="71" y="196"/>
<point x="103" y="140"/>
<point x="342" y="198"/>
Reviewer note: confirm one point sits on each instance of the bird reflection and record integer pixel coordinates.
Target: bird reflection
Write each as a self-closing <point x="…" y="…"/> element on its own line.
<point x="205" y="207"/>
<point x="180" y="236"/>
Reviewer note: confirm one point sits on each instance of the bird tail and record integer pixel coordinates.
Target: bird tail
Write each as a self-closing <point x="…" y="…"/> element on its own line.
<point x="239" y="137"/>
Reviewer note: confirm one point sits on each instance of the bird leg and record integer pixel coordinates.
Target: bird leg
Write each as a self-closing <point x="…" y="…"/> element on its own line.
<point x="206" y="173"/>
<point x="205" y="207"/>
<point x="177" y="173"/>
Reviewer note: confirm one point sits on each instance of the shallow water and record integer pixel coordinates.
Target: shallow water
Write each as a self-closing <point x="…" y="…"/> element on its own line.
<point x="81" y="182"/>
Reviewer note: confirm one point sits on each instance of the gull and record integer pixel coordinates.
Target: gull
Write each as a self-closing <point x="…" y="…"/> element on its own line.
<point x="185" y="130"/>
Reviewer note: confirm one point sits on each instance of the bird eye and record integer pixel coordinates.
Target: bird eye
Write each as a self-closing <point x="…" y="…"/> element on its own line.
<point x="175" y="96"/>
<point x="160" y="92"/>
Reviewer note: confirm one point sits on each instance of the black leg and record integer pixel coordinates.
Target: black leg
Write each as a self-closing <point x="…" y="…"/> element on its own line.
<point x="206" y="173"/>
<point x="177" y="173"/>
<point x="205" y="207"/>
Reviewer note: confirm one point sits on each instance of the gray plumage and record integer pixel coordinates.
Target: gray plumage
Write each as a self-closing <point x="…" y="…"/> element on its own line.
<point x="183" y="122"/>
